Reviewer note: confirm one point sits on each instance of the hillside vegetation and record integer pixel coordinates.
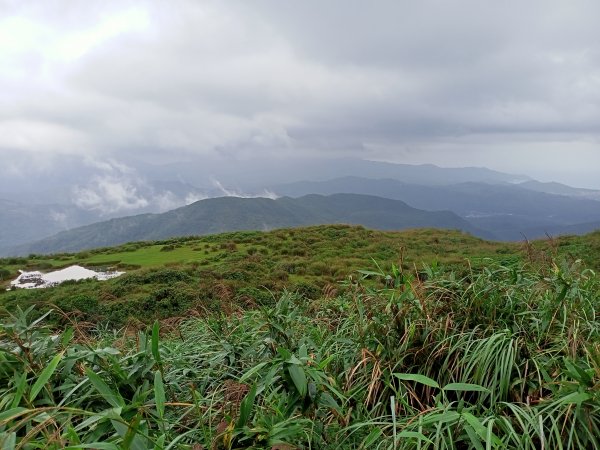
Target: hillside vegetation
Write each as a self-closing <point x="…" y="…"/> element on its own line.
<point x="209" y="273"/>
<point x="505" y="211"/>
<point x="505" y="357"/>
<point x="322" y="337"/>
<point x="217" y="215"/>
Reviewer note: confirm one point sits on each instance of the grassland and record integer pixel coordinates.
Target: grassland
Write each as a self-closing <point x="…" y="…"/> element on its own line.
<point x="203" y="274"/>
<point x="495" y="357"/>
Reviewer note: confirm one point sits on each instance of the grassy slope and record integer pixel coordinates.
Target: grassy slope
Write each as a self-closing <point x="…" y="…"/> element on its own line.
<point x="226" y="214"/>
<point x="502" y="358"/>
<point x="173" y="277"/>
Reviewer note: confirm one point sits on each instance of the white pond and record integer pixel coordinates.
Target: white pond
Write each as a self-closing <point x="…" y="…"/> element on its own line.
<point x="36" y="280"/>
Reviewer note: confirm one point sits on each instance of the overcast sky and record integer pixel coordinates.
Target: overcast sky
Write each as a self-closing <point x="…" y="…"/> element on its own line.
<point x="510" y="85"/>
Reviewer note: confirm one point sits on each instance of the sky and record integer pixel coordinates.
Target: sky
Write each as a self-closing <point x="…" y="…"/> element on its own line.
<point x="512" y="85"/>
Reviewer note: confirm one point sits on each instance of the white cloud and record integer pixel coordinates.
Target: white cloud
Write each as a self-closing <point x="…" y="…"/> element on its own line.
<point x="40" y="137"/>
<point x="227" y="192"/>
<point x="109" y="194"/>
<point x="250" y="81"/>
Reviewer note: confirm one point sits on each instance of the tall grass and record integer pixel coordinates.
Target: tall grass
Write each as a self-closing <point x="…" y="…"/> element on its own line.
<point x="504" y="357"/>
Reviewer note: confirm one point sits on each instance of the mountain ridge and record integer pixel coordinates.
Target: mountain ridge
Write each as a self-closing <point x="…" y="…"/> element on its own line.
<point x="222" y="214"/>
<point x="504" y="210"/>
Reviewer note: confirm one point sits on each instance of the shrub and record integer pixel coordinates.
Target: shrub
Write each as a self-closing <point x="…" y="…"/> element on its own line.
<point x="505" y="357"/>
<point x="307" y="290"/>
<point x="229" y="246"/>
<point x="156" y="276"/>
<point x="84" y="303"/>
<point x="261" y="297"/>
<point x="238" y="275"/>
<point x="5" y="274"/>
<point x="317" y="268"/>
<point x="280" y="275"/>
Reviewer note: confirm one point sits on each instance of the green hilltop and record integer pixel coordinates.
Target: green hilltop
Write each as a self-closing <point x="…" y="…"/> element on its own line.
<point x="202" y="273"/>
<point x="223" y="214"/>
<point x="282" y="340"/>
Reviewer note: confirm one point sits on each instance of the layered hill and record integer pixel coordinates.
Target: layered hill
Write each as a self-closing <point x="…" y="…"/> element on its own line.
<point x="223" y="214"/>
<point x="166" y="278"/>
<point x="507" y="211"/>
<point x="275" y="171"/>
<point x="24" y="222"/>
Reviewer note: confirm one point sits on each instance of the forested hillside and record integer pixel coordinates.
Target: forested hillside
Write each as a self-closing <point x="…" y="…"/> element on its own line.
<point x="217" y="215"/>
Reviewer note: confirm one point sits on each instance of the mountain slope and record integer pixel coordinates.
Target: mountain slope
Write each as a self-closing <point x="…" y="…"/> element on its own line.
<point x="202" y="174"/>
<point x="560" y="189"/>
<point x="21" y="222"/>
<point x="233" y="214"/>
<point x="505" y="210"/>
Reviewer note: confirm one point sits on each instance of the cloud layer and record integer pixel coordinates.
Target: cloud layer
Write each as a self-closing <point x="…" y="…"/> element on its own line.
<point x="510" y="85"/>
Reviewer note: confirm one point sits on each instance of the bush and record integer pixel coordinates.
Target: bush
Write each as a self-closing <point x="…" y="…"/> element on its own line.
<point x="237" y="275"/>
<point x="317" y="268"/>
<point x="84" y="303"/>
<point x="4" y="274"/>
<point x="169" y="301"/>
<point x="307" y="290"/>
<point x="261" y="297"/>
<point x="156" y="276"/>
<point x="503" y="358"/>
<point x="279" y="275"/>
<point x="229" y="246"/>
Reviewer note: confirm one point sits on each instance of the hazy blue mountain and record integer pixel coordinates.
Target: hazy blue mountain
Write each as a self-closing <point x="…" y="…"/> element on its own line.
<point x="231" y="214"/>
<point x="100" y="190"/>
<point x="202" y="174"/>
<point x="152" y="179"/>
<point x="20" y="222"/>
<point x="560" y="189"/>
<point x="28" y="220"/>
<point x="560" y="230"/>
<point x="513" y="229"/>
<point x="505" y="210"/>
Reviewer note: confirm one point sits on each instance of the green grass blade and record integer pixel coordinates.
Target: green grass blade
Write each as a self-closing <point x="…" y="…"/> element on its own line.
<point x="8" y="441"/>
<point x="21" y="385"/>
<point x="414" y="435"/>
<point x="246" y="408"/>
<point x="113" y="398"/>
<point x="159" y="394"/>
<point x="44" y="376"/>
<point x="299" y="378"/>
<point x="417" y="378"/>
<point x="155" y="342"/>
<point x="465" y="387"/>
<point x="13" y="413"/>
<point x="251" y="372"/>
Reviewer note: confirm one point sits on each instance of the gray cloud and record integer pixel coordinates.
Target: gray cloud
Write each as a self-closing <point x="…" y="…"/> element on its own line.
<point x="510" y="85"/>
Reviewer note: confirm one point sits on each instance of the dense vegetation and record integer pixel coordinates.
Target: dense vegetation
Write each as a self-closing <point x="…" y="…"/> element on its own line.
<point x="223" y="214"/>
<point x="279" y="340"/>
<point x="507" y="211"/>
<point x="205" y="274"/>
<point x="199" y="275"/>
<point x="502" y="357"/>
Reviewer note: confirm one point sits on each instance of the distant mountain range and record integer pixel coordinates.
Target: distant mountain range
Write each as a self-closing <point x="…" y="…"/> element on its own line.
<point x="218" y="215"/>
<point x="24" y="222"/>
<point x="560" y="189"/>
<point x="487" y="203"/>
<point x="36" y="207"/>
<point x="277" y="171"/>
<point x="506" y="211"/>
